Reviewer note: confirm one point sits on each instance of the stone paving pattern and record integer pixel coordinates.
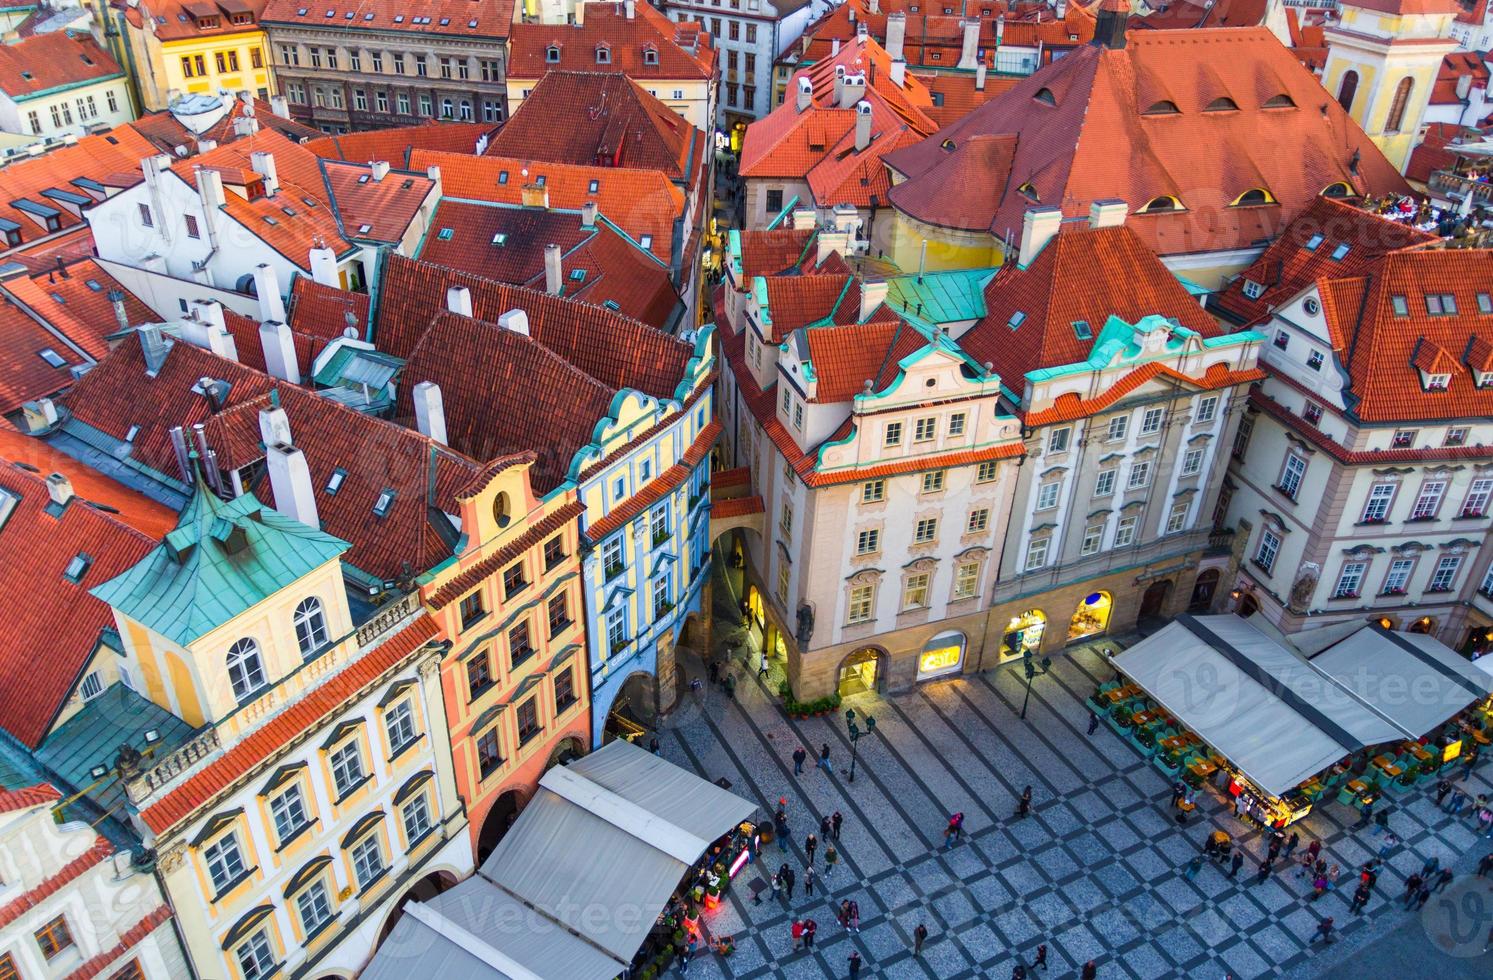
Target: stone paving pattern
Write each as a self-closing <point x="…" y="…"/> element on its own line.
<point x="1094" y="872"/>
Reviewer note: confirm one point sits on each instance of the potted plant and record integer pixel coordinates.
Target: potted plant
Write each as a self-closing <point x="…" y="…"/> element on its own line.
<point x="697" y="894"/>
<point x="648" y="972"/>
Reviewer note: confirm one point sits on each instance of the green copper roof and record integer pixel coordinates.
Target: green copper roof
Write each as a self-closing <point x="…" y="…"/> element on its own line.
<point x="221" y="559"/>
<point x="1193" y="289"/>
<point x="944" y="297"/>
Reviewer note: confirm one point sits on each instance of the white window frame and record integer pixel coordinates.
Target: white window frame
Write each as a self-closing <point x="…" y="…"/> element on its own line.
<point x="1207" y="409"/>
<point x="1444" y="575"/>
<point x="1093" y="539"/>
<point x="861" y="604"/>
<point x="1125" y="531"/>
<point x="1140" y="475"/>
<point x="925" y="530"/>
<point x="224" y="860"/>
<point x="1058" y="440"/>
<point x="368" y="860"/>
<point x="1104" y="483"/>
<point x="1036" y="553"/>
<point x="966" y="579"/>
<point x="1397" y="577"/>
<point x="1192" y="462"/>
<point x="1119" y="425"/>
<point x="1267" y="552"/>
<point x="1292" y="475"/>
<point x="1152" y="421"/>
<point x="1176" y="521"/>
<point x="1377" y="506"/>
<point x="868" y="541"/>
<point x="1428" y="499"/>
<point x="1350" y="580"/>
<point x="285" y="808"/>
<point x="347" y="768"/>
<point x="1047" y="495"/>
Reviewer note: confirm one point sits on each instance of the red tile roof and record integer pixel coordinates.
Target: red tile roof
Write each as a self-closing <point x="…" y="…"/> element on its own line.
<point x="739" y="476"/>
<point x="955" y="96"/>
<point x="678" y="51"/>
<point x="1431" y="154"/>
<point x="661" y="486"/>
<point x="766" y="253"/>
<point x="372" y="208"/>
<point x="100" y="852"/>
<point x="130" y="507"/>
<point x="537" y="533"/>
<point x="26" y="797"/>
<point x="96" y="157"/>
<point x="249" y="349"/>
<point x="609" y="121"/>
<point x="322" y="311"/>
<point x="1070" y="407"/>
<point x="176" y="20"/>
<point x="306" y="713"/>
<point x="131" y="938"/>
<point x="1288" y="266"/>
<point x="74" y="300"/>
<point x="24" y="375"/>
<point x="1454" y="67"/>
<point x="846" y="357"/>
<point x="42" y="62"/>
<point x="798" y="301"/>
<point x="1075" y="118"/>
<point x="53" y="620"/>
<point x="166" y="133"/>
<point x="1379" y="457"/>
<point x="460" y="19"/>
<point x="42" y="256"/>
<point x="394" y="145"/>
<point x="1187" y="15"/>
<point x="736" y="507"/>
<point x="643" y="203"/>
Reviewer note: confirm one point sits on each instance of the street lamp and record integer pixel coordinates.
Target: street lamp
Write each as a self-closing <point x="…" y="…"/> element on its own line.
<point x="856" y="735"/>
<point x="1032" y="670"/>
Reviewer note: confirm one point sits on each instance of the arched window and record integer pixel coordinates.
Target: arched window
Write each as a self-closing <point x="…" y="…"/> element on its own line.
<point x="1252" y="197"/>
<point x="1346" y="89"/>
<point x="1029" y="192"/>
<point x="310" y="626"/>
<point x="1221" y="104"/>
<point x="502" y="510"/>
<point x="447" y="108"/>
<point x="1160" y="204"/>
<point x="1396" y="116"/>
<point x="1337" y="189"/>
<point x="948" y="146"/>
<point x="1045" y="96"/>
<point x="1281" y="101"/>
<point x="466" y="110"/>
<point x="1166" y="107"/>
<point x="245" y="668"/>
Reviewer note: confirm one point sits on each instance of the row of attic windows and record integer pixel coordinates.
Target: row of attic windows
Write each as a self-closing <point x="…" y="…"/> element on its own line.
<point x="1166" y="107"/>
<point x="603" y="54"/>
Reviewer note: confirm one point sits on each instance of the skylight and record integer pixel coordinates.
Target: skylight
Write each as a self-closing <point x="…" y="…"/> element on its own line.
<point x="364" y="229"/>
<point x="1081" y="330"/>
<point x="383" y="503"/>
<point x="445" y="234"/>
<point x="1017" y="319"/>
<point x="1313" y="242"/>
<point x="95" y="285"/>
<point x="1339" y="252"/>
<point x="77" y="567"/>
<point x="334" y="483"/>
<point x="51" y="357"/>
<point x="501" y="238"/>
<point x="646" y="241"/>
<point x="132" y="433"/>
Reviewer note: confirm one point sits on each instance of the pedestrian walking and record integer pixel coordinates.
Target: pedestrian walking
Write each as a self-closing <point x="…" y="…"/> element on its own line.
<point x="1041" y="961"/>
<point x="1443" y="787"/>
<point x="824" y="829"/>
<point x="1467" y="766"/>
<point x="1319" y="886"/>
<point x="1457" y="802"/>
<point x="1429" y="867"/>
<point x="1235" y="863"/>
<point x="953" y="831"/>
<point x="780" y="828"/>
<point x="1370" y="873"/>
<point x="1443" y="878"/>
<point x="824" y="759"/>
<point x="1018" y="972"/>
<point x="830" y="857"/>
<point x="855" y="917"/>
<point x="730" y="686"/>
<point x="1090" y="971"/>
<point x="1390" y="841"/>
<point x="842" y="914"/>
<point x="1178" y="791"/>
<point x="1485" y="865"/>
<point x="1024" y="806"/>
<point x="1292" y="842"/>
<point x="1412" y="884"/>
<point x="1306" y="863"/>
<point x="715" y="672"/>
<point x="653" y="745"/>
<point x="1365" y="814"/>
<point x="1360" y="898"/>
<point x="798" y="933"/>
<point x="811" y="844"/>
<point x="1314" y="849"/>
<point x="1333" y="873"/>
<point x="810" y="928"/>
<point x="1422" y="897"/>
<point x="1263" y="873"/>
<point x="1381" y="822"/>
<point x="777" y="886"/>
<point x="809" y="878"/>
<point x="855" y="964"/>
<point x="919" y="937"/>
<point x="1273" y="851"/>
<point x="1193" y="867"/>
<point x="762" y="667"/>
<point x="834" y="824"/>
<point x="790" y="878"/>
<point x="799" y="757"/>
<point x="1324" y="932"/>
<point x="1093" y="723"/>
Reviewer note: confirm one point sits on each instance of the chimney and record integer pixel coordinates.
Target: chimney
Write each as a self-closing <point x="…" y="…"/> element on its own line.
<point x="862" y="125"/>
<point x="1110" y="22"/>
<point x="1000" y="29"/>
<point x="245" y="126"/>
<point x="834" y="47"/>
<point x="629" y="8"/>
<point x="896" y="34"/>
<point x="39" y="416"/>
<point x="829" y="242"/>
<point x="1108" y="213"/>
<point x="515" y="320"/>
<point x="874" y="6"/>
<point x="209" y="189"/>
<point x="430" y="413"/>
<point x="153" y="166"/>
<point x="803" y="219"/>
<point x="324" y="267"/>
<point x="1037" y="228"/>
<point x="59" y="488"/>
<point x="553" y="270"/>
<point x="459" y="300"/>
<point x="153" y="347"/>
<point x="121" y="312"/>
<point x="1464" y="86"/>
<point x="279" y="351"/>
<point x="853" y="90"/>
<point x="805" y="96"/>
<point x="980" y="77"/>
<point x="536" y="196"/>
<point x="970" y="46"/>
<point x="839" y="93"/>
<point x="380" y="169"/>
<point x="588" y="214"/>
<point x="290" y="477"/>
<point x="873" y="294"/>
<point x="1060" y="9"/>
<point x="898" y="73"/>
<point x="267" y="288"/>
<point x="280" y="106"/>
<point x="263" y="163"/>
<point x="205" y="146"/>
<point x="209" y="313"/>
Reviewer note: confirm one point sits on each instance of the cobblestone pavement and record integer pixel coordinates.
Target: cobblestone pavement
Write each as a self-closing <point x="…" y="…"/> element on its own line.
<point x="1094" y="872"/>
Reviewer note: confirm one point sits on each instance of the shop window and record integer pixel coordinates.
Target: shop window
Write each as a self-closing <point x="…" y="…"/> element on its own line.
<point x="1091" y="617"/>
<point x="943" y="654"/>
<point x="1023" y="633"/>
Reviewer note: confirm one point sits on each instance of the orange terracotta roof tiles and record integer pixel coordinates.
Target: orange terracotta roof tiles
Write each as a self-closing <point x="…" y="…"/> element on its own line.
<point x="323" y="311"/>
<point x="74" y="300"/>
<point x="128" y="940"/>
<point x="845" y="358"/>
<point x="739" y="476"/>
<point x="797" y="301"/>
<point x="27" y="797"/>
<point x="767" y="253"/>
<point x="647" y="47"/>
<point x="44" y="62"/>
<point x="1431" y="154"/>
<point x="1455" y="67"/>
<point x="1379" y="457"/>
<point x="1188" y="15"/>
<point x="144" y="514"/>
<point x="369" y="207"/>
<point x="34" y="362"/>
<point x="1070" y="407"/>
<point x="177" y="20"/>
<point x="736" y="507"/>
<point x="249" y="348"/>
<point x="395" y="145"/>
<point x="1073" y="119"/>
<point x="100" y="852"/>
<point x="94" y="157"/>
<point x="536" y="535"/>
<point x="460" y="19"/>
<point x="303" y="714"/>
<point x="660" y="487"/>
<point x="164" y="131"/>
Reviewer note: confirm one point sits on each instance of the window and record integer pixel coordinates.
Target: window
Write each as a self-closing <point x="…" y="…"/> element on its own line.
<point x="473" y="608"/>
<point x="1282" y="340"/>
<point x="956" y="424"/>
<point x="1486" y="588"/>
<point x="91" y="687"/>
<point x="310" y="626"/>
<point x="1445" y="574"/>
<point x="289" y="813"/>
<point x="662" y="598"/>
<point x="245" y="669"/>
<point x="1151" y="422"/>
<point x="1441" y="304"/>
<point x="559" y="613"/>
<point x="488" y="758"/>
<point x="1396" y="117"/>
<point x="399" y="723"/>
<point x="862" y="598"/>
<point x="192" y="230"/>
<point x="1314" y="360"/>
<point x="1140" y="474"/>
<point x="1036" y="553"/>
<point x="360" y="100"/>
<point x="868" y="542"/>
<point x="520" y="644"/>
<point x="554" y="551"/>
<point x="933" y="481"/>
<point x="1312" y="413"/>
<point x="966" y="579"/>
<point x="1192" y="462"/>
<point x="368" y="861"/>
<point x="1350" y="580"/>
<point x="893" y="435"/>
<point x="35" y="121"/>
<point x="564" y="689"/>
<point x="979" y="520"/>
<point x="986" y="473"/>
<point x="616" y="620"/>
<point x="381" y="101"/>
<point x="347" y="768"/>
<point x="514" y="580"/>
<point x="1057" y="439"/>
<point x="1241" y="437"/>
<point x="925" y="531"/>
<point x="774" y="201"/>
<point x="1398" y="579"/>
<point x="925" y="430"/>
<point x="873" y="491"/>
<point x="785" y="519"/>
<point x="479" y="675"/>
<point x="403" y="101"/>
<point x="1376" y="509"/>
<point x="1291" y="475"/>
<point x="915" y="593"/>
<point x="1455" y="437"/>
<point x="1403" y="439"/>
<point x="1476" y="502"/>
<point x="1047" y="495"/>
<point x="416" y="816"/>
<point x="225" y="865"/>
<point x="528" y="720"/>
<point x="255" y="958"/>
<point x="1125" y="531"/>
<point x="1177" y="519"/>
<point x="1104" y="483"/>
<point x="1093" y="536"/>
<point x="1268" y="550"/>
<point x="1207" y="409"/>
<point x="1429" y="500"/>
<point x="146" y="218"/>
<point x="1400" y="305"/>
<point x="314" y="908"/>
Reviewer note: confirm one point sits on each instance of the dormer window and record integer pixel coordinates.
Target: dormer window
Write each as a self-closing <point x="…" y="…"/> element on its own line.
<point x="1166" y="107"/>
<point x="1281" y="101"/>
<point x="1485" y="379"/>
<point x="650" y="55"/>
<point x="1162" y="204"/>
<point x="1438" y="382"/>
<point x="552" y="54"/>
<point x="603" y="54"/>
<point x="1017" y="319"/>
<point x="1252" y="289"/>
<point x="1029" y="192"/>
<point x="1222" y="104"/>
<point x="1045" y="96"/>
<point x="1337" y="189"/>
<point x="77" y="567"/>
<point x="1253" y="198"/>
<point x="334" y="483"/>
<point x="947" y="146"/>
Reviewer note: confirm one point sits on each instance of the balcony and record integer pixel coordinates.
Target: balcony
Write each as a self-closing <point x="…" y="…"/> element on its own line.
<point x="1450" y="184"/>
<point x="185" y="757"/>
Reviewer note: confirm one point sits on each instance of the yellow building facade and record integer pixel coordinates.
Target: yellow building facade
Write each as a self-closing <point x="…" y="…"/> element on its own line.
<point x="174" y="52"/>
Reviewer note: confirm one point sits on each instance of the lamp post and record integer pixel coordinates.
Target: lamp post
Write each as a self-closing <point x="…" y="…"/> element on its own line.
<point x="1032" y="670"/>
<point x="856" y="735"/>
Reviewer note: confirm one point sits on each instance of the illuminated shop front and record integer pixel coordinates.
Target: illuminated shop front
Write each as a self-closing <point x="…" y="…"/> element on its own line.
<point x="943" y="654"/>
<point x="1023" y="633"/>
<point x="858" y="671"/>
<point x="1091" y="617"/>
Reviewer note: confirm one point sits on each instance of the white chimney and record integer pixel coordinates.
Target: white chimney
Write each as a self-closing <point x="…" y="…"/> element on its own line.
<point x="862" y="125"/>
<point x="324" y="267"/>
<point x="980" y="77"/>
<point x="1060" y="9"/>
<point x="154" y="346"/>
<point x="267" y="288"/>
<point x="588" y="214"/>
<point x="553" y="270"/>
<point x="153" y="166"/>
<point x="834" y="47"/>
<point x="1464" y="85"/>
<point x="245" y="126"/>
<point x="1037" y="228"/>
<point x="280" y="106"/>
<point x="873" y="294"/>
<point x="515" y="320"/>
<point x="204" y="146"/>
<point x="629" y="8"/>
<point x="1108" y="213"/>
<point x="263" y="163"/>
<point x="279" y="351"/>
<point x="430" y="411"/>
<point x="898" y="73"/>
<point x="839" y="93"/>
<point x="380" y="169"/>
<point x="970" y="47"/>
<point x="805" y="95"/>
<point x="209" y="189"/>
<point x="896" y="34"/>
<point x="59" y="488"/>
<point x="804" y="219"/>
<point x="209" y="312"/>
<point x="852" y="90"/>
<point x="459" y="300"/>
<point x="290" y="481"/>
<point x="1000" y="29"/>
